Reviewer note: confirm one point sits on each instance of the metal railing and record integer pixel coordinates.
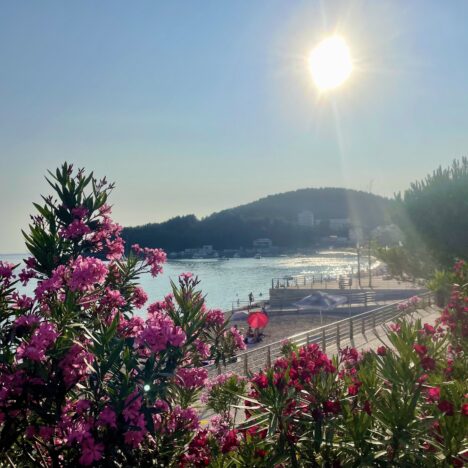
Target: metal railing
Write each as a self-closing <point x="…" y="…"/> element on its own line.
<point x="325" y="336"/>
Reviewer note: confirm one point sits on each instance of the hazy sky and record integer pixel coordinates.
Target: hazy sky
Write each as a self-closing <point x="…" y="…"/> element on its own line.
<point x="196" y="106"/>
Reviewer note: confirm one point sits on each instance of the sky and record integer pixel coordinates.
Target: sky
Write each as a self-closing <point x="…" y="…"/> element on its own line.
<point x="193" y="107"/>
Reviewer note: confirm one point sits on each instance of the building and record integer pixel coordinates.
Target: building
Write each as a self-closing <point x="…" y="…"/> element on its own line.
<point x="305" y="218"/>
<point x="262" y="244"/>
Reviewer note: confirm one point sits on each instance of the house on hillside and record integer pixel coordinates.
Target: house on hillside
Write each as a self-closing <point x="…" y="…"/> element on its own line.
<point x="306" y="218"/>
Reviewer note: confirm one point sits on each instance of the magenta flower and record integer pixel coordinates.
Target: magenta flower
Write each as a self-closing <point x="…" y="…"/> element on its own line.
<point x="90" y="451"/>
<point x="86" y="273"/>
<point x="446" y="407"/>
<point x="433" y="393"/>
<point x="107" y="417"/>
<point x="192" y="378"/>
<point x="75" y="230"/>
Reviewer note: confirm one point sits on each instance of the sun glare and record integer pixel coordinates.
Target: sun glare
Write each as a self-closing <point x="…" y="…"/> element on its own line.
<point x="330" y="63"/>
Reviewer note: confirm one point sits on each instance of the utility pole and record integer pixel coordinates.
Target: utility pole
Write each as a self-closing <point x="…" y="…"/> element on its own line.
<point x="370" y="265"/>
<point x="358" y="249"/>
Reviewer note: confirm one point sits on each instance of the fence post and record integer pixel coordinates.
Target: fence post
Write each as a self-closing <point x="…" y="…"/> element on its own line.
<point x="268" y="363"/>
<point x="351" y="331"/>
<point x="272" y="283"/>
<point x="246" y="365"/>
<point x="373" y="321"/>
<point x="308" y="339"/>
<point x="363" y="326"/>
<point x="324" y="341"/>
<point x="337" y="336"/>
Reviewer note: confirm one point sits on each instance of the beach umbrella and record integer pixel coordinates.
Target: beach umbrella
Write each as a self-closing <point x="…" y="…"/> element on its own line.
<point x="239" y="315"/>
<point x="257" y="320"/>
<point x="320" y="301"/>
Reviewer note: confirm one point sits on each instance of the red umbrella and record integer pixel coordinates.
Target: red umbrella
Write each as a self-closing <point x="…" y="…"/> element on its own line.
<point x="257" y="320"/>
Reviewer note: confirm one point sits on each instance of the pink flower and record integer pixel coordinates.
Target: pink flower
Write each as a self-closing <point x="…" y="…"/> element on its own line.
<point x="25" y="275"/>
<point x="446" y="407"/>
<point x="115" y="248"/>
<point x="353" y="389"/>
<point x="75" y="230"/>
<point x="433" y="393"/>
<point x="428" y="363"/>
<point x="420" y="349"/>
<point x="113" y="298"/>
<point x="75" y="365"/>
<point x="154" y="258"/>
<point x="6" y="270"/>
<point x="134" y="438"/>
<point x="333" y="407"/>
<point x="132" y="408"/>
<point x="464" y="409"/>
<point x="52" y="284"/>
<point x="203" y="349"/>
<point x="429" y="329"/>
<point x="182" y="418"/>
<point x="185" y="277"/>
<point x="139" y="297"/>
<point x="215" y="317"/>
<point x="381" y="350"/>
<point x="192" y="378"/>
<point x="42" y="339"/>
<point x="82" y="405"/>
<point x="86" y="273"/>
<point x="90" y="451"/>
<point x="367" y="407"/>
<point x="395" y="327"/>
<point x="26" y="321"/>
<point x="107" y="417"/>
<point x="158" y="333"/>
<point x="238" y="339"/>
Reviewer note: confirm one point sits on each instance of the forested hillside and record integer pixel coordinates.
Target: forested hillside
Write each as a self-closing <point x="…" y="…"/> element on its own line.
<point x="275" y="217"/>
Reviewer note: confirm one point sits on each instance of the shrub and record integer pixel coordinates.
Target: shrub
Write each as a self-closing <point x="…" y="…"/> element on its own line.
<point x="84" y="381"/>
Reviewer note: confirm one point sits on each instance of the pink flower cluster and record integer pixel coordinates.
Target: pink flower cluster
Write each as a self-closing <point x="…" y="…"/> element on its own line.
<point x="75" y="365"/>
<point x="154" y="258"/>
<point x="411" y="302"/>
<point x="215" y="317"/>
<point x="192" y="378"/>
<point x="86" y="272"/>
<point x="158" y="333"/>
<point x="42" y="338"/>
<point x="6" y="271"/>
<point x="75" y="230"/>
<point x="238" y="338"/>
<point x="135" y="419"/>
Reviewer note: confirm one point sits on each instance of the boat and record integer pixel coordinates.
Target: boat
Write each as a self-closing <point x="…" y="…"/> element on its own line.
<point x="257" y="256"/>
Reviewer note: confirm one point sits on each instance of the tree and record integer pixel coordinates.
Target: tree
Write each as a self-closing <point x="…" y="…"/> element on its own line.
<point x="433" y="215"/>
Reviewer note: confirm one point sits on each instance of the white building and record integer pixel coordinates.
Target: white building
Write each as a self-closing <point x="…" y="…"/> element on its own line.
<point x="305" y="218"/>
<point x="263" y="244"/>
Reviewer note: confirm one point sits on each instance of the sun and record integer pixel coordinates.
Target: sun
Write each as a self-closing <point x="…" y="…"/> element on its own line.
<point x="330" y="63"/>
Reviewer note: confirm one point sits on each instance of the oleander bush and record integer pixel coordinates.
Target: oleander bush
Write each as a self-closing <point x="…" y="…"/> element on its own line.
<point x="84" y="380"/>
<point x="402" y="405"/>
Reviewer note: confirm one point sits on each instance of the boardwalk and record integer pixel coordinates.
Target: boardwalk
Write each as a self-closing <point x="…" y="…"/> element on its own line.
<point x="363" y="331"/>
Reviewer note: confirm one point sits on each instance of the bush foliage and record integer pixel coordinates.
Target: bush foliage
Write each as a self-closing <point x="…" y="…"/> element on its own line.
<point x="86" y="381"/>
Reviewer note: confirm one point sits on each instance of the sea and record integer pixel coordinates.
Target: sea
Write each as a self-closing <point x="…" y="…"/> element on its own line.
<point x="226" y="283"/>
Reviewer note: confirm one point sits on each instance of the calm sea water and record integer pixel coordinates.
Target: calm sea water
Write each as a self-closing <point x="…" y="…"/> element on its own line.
<point x="226" y="281"/>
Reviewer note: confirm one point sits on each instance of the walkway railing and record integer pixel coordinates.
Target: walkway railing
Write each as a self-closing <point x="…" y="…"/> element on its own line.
<point x="325" y="336"/>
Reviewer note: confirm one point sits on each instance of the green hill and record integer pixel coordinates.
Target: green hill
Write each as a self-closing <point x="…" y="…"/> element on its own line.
<point x="275" y="217"/>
